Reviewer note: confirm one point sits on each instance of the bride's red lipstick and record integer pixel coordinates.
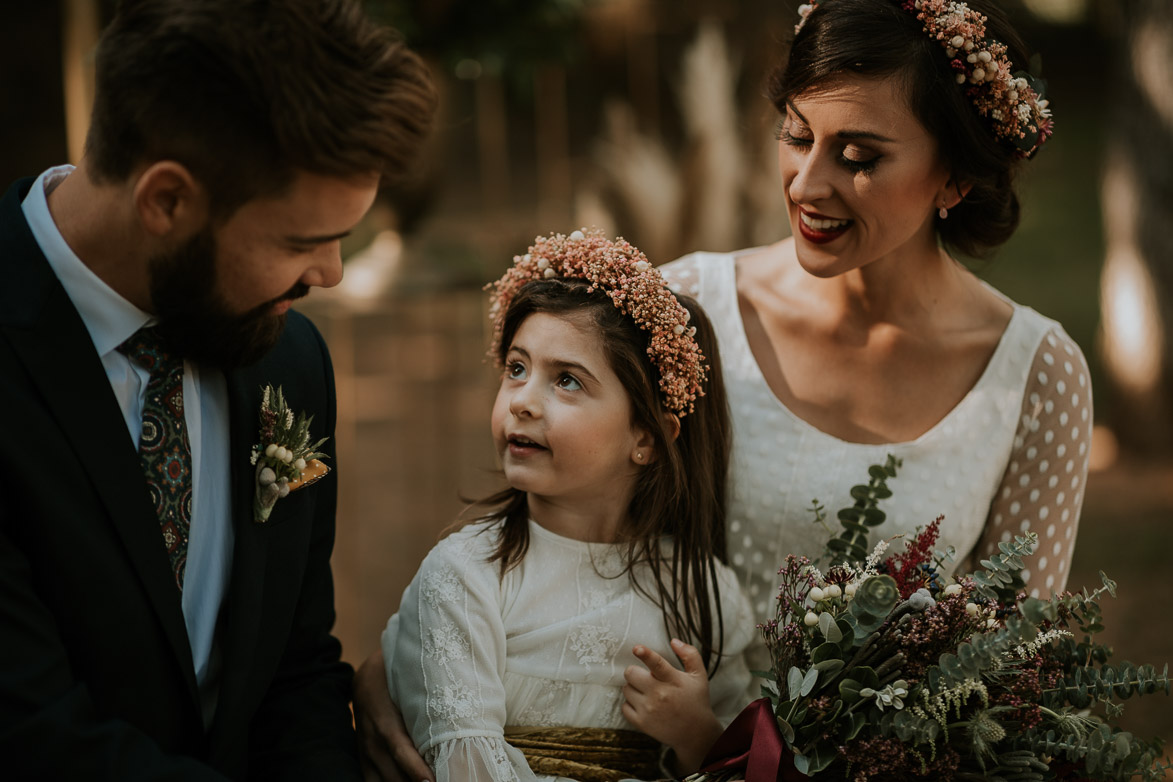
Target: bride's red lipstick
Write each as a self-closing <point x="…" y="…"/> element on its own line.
<point x="820" y="235"/>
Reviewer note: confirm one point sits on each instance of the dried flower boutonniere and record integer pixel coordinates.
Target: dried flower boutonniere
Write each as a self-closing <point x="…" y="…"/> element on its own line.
<point x="285" y="460"/>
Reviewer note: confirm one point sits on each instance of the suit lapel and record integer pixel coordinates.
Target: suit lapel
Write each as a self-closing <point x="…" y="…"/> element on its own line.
<point x="48" y="336"/>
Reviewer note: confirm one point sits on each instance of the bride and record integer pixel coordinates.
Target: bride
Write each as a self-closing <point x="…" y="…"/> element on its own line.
<point x="862" y="335"/>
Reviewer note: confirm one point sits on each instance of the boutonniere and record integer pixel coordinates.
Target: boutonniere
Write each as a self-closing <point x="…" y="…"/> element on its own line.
<point x="285" y="460"/>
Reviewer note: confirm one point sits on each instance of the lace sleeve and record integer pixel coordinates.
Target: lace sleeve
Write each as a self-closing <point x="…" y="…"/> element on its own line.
<point x="733" y="687"/>
<point x="449" y="657"/>
<point x="1043" y="486"/>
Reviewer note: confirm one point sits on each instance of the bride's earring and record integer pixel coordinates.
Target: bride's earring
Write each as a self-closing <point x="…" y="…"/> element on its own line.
<point x="639" y="456"/>
<point x="942" y="212"/>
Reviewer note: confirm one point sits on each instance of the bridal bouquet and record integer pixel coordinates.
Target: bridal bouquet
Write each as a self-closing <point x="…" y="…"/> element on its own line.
<point x="885" y="668"/>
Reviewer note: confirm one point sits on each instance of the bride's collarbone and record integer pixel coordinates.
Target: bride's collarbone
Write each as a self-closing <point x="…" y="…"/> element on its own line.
<point x="873" y="391"/>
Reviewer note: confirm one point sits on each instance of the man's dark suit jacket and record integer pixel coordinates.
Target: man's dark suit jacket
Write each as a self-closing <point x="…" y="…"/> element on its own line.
<point x="96" y="676"/>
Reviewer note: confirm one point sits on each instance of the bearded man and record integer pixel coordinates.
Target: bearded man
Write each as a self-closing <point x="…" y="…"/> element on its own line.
<point x="165" y="605"/>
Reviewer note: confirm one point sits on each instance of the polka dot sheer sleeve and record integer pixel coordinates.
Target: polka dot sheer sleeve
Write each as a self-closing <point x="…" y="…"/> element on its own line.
<point x="682" y="275"/>
<point x="1043" y="487"/>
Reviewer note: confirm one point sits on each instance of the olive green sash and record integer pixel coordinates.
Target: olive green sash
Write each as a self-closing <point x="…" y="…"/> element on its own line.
<point x="588" y="754"/>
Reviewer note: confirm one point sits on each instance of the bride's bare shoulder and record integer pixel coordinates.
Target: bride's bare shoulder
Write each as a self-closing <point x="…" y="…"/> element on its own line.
<point x="766" y="266"/>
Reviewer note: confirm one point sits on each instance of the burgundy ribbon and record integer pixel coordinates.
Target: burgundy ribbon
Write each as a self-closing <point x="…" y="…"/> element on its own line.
<point x="752" y="742"/>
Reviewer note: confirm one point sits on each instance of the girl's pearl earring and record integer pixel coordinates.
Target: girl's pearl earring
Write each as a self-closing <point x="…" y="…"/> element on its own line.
<point x="639" y="456"/>
<point x="942" y="212"/>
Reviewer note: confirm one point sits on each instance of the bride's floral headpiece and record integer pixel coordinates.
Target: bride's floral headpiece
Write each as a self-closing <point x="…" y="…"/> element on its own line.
<point x="622" y="272"/>
<point x="1012" y="102"/>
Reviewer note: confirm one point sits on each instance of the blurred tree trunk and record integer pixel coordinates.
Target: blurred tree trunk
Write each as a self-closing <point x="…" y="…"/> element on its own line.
<point x="552" y="137"/>
<point x="493" y="142"/>
<point x="1137" y="280"/>
<point x="79" y="37"/>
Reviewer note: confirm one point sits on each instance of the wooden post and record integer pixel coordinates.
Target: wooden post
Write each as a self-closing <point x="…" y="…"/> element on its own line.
<point x="79" y="37"/>
<point x="643" y="79"/>
<point x="492" y="142"/>
<point x="1137" y="283"/>
<point x="553" y="146"/>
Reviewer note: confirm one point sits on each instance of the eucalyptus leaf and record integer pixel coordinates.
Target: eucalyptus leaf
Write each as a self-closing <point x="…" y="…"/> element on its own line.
<point x="833" y="714"/>
<point x="1109" y="584"/>
<point x="849" y="690"/>
<point x="969" y="658"/>
<point x="847" y="630"/>
<point x="794" y="682"/>
<point x="821" y="757"/>
<point x="829" y="628"/>
<point x="808" y="681"/>
<point x="862" y="677"/>
<point x="951" y="666"/>
<point x="802" y="764"/>
<point x="1093" y="759"/>
<point x="1032" y="609"/>
<point x="826" y="652"/>
<point x="786" y="730"/>
<point x="830" y="667"/>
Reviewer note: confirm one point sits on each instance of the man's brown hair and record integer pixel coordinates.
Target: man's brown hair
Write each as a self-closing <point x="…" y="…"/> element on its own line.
<point x="245" y="93"/>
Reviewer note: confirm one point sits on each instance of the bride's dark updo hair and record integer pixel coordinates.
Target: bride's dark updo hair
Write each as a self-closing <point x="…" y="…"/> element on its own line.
<point x="877" y="38"/>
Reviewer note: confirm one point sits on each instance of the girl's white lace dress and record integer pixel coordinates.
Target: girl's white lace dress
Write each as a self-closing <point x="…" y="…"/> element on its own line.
<point x="1010" y="457"/>
<point x="470" y="653"/>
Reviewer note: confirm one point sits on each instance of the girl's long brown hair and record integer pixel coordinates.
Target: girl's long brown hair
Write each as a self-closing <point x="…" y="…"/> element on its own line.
<point x="681" y="494"/>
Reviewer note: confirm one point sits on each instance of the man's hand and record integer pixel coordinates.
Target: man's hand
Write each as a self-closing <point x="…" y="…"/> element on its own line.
<point x="386" y="749"/>
<point x="672" y="706"/>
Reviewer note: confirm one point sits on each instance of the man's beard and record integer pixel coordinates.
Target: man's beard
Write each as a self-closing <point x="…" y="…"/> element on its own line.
<point x="196" y="323"/>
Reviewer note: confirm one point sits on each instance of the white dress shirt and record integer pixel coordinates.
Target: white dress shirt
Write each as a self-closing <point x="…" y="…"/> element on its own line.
<point x="111" y="320"/>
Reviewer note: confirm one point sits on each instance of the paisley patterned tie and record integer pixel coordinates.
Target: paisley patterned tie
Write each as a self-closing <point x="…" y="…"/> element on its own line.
<point x="163" y="447"/>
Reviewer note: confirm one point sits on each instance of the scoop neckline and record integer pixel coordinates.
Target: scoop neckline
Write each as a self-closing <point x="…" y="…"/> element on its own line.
<point x="743" y="343"/>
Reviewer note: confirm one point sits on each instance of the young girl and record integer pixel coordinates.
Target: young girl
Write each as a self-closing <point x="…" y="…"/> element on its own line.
<point x="515" y="651"/>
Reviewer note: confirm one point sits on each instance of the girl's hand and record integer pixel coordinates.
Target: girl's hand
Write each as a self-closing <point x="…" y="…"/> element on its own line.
<point x="672" y="706"/>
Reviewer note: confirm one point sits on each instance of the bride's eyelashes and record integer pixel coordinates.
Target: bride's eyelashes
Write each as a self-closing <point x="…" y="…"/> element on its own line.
<point x="853" y="164"/>
<point x="780" y="130"/>
<point x="859" y="166"/>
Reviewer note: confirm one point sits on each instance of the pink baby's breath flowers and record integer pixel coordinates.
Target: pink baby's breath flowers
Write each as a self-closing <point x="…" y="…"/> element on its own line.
<point x="635" y="286"/>
<point x="1012" y="103"/>
<point x="1016" y="111"/>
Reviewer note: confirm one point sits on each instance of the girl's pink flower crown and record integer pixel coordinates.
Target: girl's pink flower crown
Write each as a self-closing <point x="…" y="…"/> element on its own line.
<point x="1012" y="102"/>
<point x="622" y="272"/>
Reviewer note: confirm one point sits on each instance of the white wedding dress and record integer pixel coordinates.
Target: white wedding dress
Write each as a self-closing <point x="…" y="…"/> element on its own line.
<point x="470" y="653"/>
<point x="1010" y="457"/>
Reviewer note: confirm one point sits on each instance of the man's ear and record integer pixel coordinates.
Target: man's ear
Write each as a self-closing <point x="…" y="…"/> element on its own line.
<point x="169" y="200"/>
